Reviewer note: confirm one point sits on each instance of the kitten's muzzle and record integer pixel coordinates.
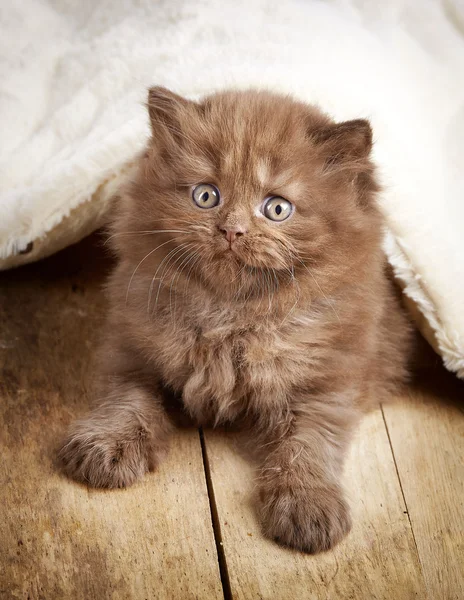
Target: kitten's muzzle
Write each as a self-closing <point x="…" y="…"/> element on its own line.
<point x="231" y="233"/>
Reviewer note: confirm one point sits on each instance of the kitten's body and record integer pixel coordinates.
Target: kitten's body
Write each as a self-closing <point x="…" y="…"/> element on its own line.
<point x="292" y="330"/>
<point x="228" y="359"/>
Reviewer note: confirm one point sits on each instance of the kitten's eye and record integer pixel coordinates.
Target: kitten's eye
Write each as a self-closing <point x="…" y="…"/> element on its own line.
<point x="206" y="195"/>
<point x="277" y="208"/>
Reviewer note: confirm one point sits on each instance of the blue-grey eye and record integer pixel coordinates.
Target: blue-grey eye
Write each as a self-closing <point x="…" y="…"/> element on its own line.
<point x="206" y="195"/>
<point x="277" y="208"/>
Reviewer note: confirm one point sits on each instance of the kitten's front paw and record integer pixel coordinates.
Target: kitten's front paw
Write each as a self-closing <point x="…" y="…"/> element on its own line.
<point x="111" y="459"/>
<point x="312" y="519"/>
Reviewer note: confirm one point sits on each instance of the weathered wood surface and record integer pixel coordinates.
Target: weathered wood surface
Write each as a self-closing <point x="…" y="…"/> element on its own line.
<point x="378" y="561"/>
<point x="427" y="434"/>
<point x="62" y="540"/>
<point x="58" y="539"/>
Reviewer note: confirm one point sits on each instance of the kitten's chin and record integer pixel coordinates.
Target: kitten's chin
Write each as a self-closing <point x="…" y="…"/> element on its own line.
<point x="254" y="261"/>
<point x="232" y="257"/>
<point x="235" y="258"/>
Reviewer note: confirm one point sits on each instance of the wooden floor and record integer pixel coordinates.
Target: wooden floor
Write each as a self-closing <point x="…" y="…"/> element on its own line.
<point x="189" y="530"/>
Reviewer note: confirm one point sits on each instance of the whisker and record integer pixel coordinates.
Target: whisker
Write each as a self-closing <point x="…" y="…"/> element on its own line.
<point x="261" y="292"/>
<point x="143" y="259"/>
<point x="165" y="270"/>
<point x="268" y="282"/>
<point x="320" y="289"/>
<point x="193" y="260"/>
<point x="143" y="232"/>
<point x="276" y="285"/>
<point x="251" y="286"/>
<point x="167" y="258"/>
<point x="238" y="274"/>
<point x="156" y="272"/>
<point x="189" y="274"/>
<point x="237" y="293"/>
<point x="295" y="282"/>
<point x="178" y="272"/>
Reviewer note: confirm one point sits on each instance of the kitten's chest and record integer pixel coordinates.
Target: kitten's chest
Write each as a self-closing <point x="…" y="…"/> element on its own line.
<point x="224" y="368"/>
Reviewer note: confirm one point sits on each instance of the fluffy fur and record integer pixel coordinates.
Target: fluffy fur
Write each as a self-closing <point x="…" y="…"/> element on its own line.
<point x="292" y="330"/>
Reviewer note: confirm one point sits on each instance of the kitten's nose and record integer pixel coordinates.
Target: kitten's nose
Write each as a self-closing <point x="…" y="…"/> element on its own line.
<point x="231" y="233"/>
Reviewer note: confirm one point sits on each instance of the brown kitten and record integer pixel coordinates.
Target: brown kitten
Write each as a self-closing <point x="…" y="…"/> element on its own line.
<point x="260" y="297"/>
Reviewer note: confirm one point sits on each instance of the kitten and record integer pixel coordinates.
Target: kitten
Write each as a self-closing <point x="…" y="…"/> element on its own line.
<point x="251" y="282"/>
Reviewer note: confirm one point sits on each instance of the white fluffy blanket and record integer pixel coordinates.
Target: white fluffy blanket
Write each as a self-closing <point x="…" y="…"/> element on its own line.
<point x="73" y="79"/>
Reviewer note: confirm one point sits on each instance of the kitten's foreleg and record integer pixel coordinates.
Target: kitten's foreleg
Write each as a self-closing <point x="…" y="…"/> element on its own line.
<point x="302" y="501"/>
<point x="125" y="436"/>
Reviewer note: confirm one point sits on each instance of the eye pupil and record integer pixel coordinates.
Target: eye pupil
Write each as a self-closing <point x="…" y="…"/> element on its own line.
<point x="205" y="197"/>
<point x="278" y="209"/>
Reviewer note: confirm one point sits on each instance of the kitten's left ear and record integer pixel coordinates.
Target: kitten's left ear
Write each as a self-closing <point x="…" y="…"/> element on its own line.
<point x="345" y="148"/>
<point x="347" y="141"/>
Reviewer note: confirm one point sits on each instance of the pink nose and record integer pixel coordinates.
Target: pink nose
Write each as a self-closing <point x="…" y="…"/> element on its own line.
<point x="231" y="233"/>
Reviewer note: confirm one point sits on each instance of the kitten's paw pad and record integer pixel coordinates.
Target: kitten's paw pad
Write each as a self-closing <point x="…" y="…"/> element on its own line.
<point x="107" y="459"/>
<point x="311" y="520"/>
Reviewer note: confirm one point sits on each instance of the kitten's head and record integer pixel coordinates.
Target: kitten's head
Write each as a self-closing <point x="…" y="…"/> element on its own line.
<point x="251" y="185"/>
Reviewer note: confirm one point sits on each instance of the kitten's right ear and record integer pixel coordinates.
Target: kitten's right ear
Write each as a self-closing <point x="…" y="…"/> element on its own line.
<point x="346" y="142"/>
<point x="165" y="109"/>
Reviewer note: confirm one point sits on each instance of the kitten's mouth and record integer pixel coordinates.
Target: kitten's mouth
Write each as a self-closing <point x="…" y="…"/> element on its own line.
<point x="235" y="257"/>
<point x="231" y="253"/>
<point x="229" y="248"/>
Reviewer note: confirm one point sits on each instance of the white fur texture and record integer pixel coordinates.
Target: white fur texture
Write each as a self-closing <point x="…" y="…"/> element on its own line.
<point x="73" y="79"/>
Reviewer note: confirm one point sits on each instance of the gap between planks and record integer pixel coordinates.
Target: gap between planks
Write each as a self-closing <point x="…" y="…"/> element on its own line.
<point x="224" y="573"/>
<point x="401" y="484"/>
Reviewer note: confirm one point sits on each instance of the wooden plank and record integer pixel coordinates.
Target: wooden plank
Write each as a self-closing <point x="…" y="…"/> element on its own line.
<point x="427" y="435"/>
<point x="378" y="561"/>
<point x="58" y="539"/>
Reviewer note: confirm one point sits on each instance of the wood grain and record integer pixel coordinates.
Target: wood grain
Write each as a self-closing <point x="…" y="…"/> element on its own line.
<point x="427" y="435"/>
<point x="58" y="539"/>
<point x="378" y="561"/>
